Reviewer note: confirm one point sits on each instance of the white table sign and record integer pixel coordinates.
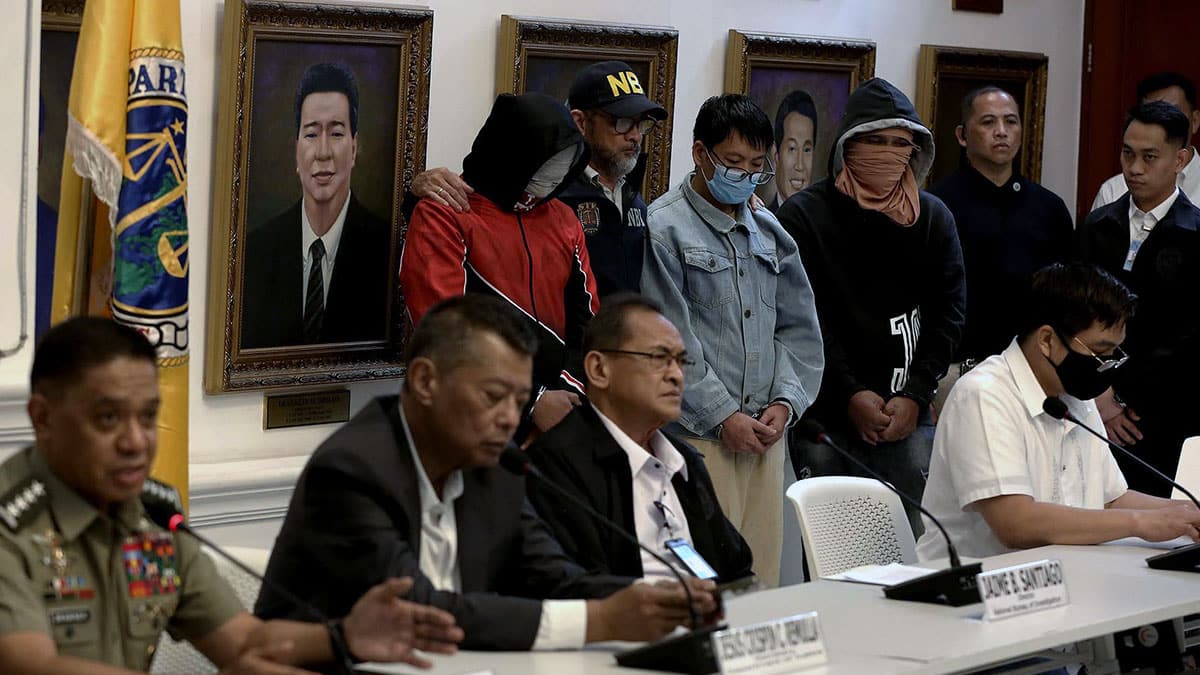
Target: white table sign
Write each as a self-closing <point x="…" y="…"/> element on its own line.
<point x="1022" y="589"/>
<point x="779" y="646"/>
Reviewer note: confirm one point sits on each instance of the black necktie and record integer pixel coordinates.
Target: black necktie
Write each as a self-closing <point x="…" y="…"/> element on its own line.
<point x="314" y="300"/>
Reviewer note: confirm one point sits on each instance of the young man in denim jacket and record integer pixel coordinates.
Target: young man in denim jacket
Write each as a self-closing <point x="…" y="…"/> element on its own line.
<point x="730" y="279"/>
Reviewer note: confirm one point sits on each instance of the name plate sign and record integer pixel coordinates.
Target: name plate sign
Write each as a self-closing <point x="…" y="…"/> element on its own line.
<point x="779" y="646"/>
<point x="1022" y="589"/>
<point x="325" y="406"/>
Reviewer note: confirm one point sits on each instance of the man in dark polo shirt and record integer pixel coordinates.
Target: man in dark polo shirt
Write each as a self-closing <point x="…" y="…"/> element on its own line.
<point x="1009" y="226"/>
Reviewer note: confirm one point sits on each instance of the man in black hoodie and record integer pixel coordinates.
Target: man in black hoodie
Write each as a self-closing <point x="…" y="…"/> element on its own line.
<point x="517" y="242"/>
<point x="886" y="269"/>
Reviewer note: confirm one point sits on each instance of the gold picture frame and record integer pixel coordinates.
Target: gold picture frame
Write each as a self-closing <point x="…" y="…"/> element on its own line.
<point x="549" y="51"/>
<point x="775" y="68"/>
<point x="267" y="47"/>
<point x="946" y="74"/>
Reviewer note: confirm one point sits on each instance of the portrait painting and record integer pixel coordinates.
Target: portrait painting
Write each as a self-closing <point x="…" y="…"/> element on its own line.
<point x="324" y="116"/>
<point x="802" y="83"/>
<point x="948" y="74"/>
<point x="544" y="55"/>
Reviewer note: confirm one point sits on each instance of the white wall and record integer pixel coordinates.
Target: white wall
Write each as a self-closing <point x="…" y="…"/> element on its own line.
<point x="462" y="86"/>
<point x="229" y="428"/>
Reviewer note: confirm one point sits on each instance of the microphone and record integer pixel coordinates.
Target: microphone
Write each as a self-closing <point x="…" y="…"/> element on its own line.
<point x="690" y="652"/>
<point x="1182" y="559"/>
<point x="954" y="586"/>
<point x="163" y="514"/>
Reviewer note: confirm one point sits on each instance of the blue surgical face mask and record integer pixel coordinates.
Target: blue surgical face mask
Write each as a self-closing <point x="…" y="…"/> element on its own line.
<point x="728" y="191"/>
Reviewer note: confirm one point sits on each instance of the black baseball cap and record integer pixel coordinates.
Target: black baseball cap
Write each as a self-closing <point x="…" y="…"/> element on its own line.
<point x="613" y="87"/>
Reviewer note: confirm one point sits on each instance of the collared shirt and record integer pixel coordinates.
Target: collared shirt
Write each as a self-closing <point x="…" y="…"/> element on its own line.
<point x="614" y="195"/>
<point x="564" y="622"/>
<point x="1188" y="181"/>
<point x="103" y="586"/>
<point x="330" y="240"/>
<point x="994" y="439"/>
<point x="657" y="512"/>
<point x="738" y="292"/>
<point x="1141" y="223"/>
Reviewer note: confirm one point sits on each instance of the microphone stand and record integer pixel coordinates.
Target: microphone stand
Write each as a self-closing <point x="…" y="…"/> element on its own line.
<point x="1181" y="559"/>
<point x="954" y="586"/>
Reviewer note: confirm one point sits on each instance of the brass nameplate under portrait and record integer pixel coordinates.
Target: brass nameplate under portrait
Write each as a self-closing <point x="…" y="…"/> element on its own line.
<point x="281" y="411"/>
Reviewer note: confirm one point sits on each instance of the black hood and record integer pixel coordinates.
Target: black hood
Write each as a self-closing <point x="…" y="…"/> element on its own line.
<point x="519" y="135"/>
<point x="876" y="104"/>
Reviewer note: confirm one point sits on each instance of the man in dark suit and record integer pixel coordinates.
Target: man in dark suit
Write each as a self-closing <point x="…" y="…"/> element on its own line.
<point x="318" y="272"/>
<point x="1150" y="240"/>
<point x="412" y="484"/>
<point x="611" y="452"/>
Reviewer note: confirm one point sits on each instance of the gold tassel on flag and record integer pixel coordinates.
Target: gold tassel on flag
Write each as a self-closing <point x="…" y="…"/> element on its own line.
<point x="127" y="134"/>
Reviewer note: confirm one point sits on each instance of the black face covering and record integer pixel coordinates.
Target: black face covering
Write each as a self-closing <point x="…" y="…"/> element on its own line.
<point x="1079" y="375"/>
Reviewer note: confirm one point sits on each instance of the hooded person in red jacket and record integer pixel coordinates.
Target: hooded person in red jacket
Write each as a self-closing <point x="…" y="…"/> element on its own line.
<point x="517" y="242"/>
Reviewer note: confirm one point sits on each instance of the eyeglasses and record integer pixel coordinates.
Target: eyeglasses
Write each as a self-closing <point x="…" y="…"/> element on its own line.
<point x="735" y="175"/>
<point x="659" y="360"/>
<point x="671" y="523"/>
<point x="1108" y="362"/>
<point x="880" y="140"/>
<point x="623" y="125"/>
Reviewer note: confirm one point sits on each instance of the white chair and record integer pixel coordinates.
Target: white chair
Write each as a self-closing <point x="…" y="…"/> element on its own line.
<point x="181" y="657"/>
<point x="1188" y="473"/>
<point x="847" y="521"/>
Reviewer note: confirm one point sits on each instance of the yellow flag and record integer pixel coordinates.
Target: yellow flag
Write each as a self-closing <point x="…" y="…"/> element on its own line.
<point x="127" y="134"/>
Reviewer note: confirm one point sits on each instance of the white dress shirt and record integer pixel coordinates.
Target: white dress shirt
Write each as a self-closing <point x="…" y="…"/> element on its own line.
<point x="1142" y="222"/>
<point x="613" y="195"/>
<point x="657" y="512"/>
<point x="330" y="239"/>
<point x="993" y="439"/>
<point x="1188" y="181"/>
<point x="564" y="622"/>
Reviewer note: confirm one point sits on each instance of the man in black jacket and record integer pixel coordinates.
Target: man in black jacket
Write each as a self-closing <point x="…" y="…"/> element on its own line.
<point x="611" y="452"/>
<point x="1150" y="240"/>
<point x="412" y="484"/>
<point x="612" y="111"/>
<point x="886" y="269"/>
<point x="1008" y="225"/>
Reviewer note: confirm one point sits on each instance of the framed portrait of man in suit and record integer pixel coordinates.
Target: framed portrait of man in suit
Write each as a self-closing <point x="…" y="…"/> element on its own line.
<point x="323" y="115"/>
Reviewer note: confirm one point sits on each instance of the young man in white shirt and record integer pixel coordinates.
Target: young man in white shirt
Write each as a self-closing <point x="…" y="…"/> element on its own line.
<point x="1004" y="474"/>
<point x="1180" y="92"/>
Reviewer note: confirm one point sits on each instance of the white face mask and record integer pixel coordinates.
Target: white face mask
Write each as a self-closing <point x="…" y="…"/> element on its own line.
<point x="552" y="172"/>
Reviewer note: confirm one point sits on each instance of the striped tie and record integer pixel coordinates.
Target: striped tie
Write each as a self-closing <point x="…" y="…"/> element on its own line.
<point x="314" y="300"/>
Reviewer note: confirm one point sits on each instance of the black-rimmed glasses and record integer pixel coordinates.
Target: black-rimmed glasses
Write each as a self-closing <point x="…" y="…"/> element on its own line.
<point x="671" y="524"/>
<point x="623" y="125"/>
<point x="659" y="360"/>
<point x="736" y="175"/>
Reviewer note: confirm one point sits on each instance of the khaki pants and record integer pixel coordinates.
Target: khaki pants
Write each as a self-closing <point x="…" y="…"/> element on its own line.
<point x="750" y="489"/>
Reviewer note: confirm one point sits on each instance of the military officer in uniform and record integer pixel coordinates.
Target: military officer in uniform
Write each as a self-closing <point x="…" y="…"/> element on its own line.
<point x="88" y="583"/>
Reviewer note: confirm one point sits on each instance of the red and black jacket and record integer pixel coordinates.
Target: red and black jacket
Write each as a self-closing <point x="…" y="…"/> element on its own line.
<point x="535" y="260"/>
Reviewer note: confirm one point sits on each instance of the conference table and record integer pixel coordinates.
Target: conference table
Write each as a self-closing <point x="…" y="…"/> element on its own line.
<point x="1109" y="586"/>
